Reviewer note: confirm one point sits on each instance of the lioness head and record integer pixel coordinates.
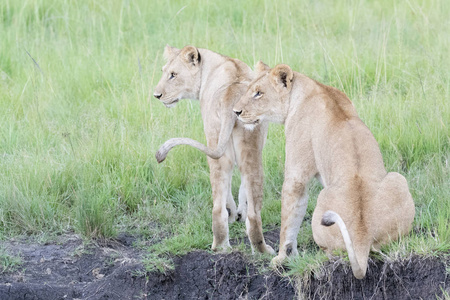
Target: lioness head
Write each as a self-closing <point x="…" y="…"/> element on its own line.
<point x="266" y="97"/>
<point x="181" y="75"/>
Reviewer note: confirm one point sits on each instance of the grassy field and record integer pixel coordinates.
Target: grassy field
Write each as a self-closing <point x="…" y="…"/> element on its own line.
<point x="78" y="128"/>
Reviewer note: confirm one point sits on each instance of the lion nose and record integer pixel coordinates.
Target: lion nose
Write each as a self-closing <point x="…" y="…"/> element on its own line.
<point x="238" y="112"/>
<point x="157" y="96"/>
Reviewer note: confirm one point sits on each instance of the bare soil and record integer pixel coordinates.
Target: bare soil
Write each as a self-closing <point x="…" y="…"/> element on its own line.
<point x="70" y="269"/>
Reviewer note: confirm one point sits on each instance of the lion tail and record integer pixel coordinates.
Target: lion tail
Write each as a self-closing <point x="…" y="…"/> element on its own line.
<point x="226" y="129"/>
<point x="358" y="256"/>
<point x="169" y="144"/>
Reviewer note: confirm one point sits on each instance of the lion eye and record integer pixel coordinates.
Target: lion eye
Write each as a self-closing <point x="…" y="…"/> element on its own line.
<point x="257" y="94"/>
<point x="172" y="75"/>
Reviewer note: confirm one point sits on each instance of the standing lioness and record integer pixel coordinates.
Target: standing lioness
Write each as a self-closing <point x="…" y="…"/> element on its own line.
<point x="218" y="82"/>
<point x="326" y="138"/>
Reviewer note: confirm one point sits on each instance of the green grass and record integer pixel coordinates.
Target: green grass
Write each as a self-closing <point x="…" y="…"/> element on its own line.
<point x="8" y="262"/>
<point x="78" y="128"/>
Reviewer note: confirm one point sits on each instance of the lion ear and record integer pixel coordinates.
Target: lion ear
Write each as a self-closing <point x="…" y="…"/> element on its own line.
<point x="169" y="52"/>
<point x="261" y="67"/>
<point x="190" y="55"/>
<point x="281" y="77"/>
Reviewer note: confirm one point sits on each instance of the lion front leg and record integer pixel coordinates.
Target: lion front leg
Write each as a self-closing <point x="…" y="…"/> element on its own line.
<point x="253" y="221"/>
<point x="294" y="201"/>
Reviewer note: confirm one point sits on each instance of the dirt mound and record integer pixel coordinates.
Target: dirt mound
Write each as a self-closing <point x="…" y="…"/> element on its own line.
<point x="200" y="275"/>
<point x="413" y="278"/>
<point x="68" y="269"/>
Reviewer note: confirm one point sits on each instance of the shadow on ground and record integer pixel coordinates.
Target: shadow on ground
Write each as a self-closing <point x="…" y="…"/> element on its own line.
<point x="68" y="269"/>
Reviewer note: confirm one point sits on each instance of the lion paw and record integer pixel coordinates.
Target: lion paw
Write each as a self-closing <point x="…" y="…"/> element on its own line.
<point x="222" y="248"/>
<point x="269" y="250"/>
<point x="278" y="261"/>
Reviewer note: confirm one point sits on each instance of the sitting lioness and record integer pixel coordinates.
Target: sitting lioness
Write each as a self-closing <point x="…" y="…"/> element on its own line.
<point x="218" y="82"/>
<point x="361" y="206"/>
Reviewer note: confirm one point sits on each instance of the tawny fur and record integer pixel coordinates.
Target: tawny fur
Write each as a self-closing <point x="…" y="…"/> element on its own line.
<point x="219" y="82"/>
<point x="326" y="139"/>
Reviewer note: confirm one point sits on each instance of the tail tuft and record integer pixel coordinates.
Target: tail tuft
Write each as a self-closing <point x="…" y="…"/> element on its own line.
<point x="328" y="218"/>
<point x="160" y="156"/>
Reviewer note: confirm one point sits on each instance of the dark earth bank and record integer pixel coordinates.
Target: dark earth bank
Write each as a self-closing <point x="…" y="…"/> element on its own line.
<point x="71" y="269"/>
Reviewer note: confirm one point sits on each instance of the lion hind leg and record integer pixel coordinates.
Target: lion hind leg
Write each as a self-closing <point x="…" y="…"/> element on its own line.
<point x="220" y="177"/>
<point x="396" y="206"/>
